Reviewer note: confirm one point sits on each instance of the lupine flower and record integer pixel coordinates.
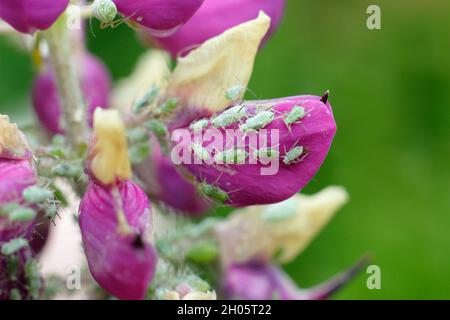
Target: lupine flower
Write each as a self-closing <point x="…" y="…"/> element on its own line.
<point x="27" y="16"/>
<point x="260" y="233"/>
<point x="95" y="84"/>
<point x="115" y="215"/>
<point x="163" y="182"/>
<point x="269" y="282"/>
<point x="290" y="162"/>
<point x="160" y="17"/>
<point x="17" y="173"/>
<point x="215" y="17"/>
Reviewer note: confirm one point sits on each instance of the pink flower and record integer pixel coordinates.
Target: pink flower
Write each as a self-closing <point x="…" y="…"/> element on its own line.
<point x="305" y="128"/>
<point x="160" y="17"/>
<point x="216" y="16"/>
<point x="27" y="16"/>
<point x="95" y="82"/>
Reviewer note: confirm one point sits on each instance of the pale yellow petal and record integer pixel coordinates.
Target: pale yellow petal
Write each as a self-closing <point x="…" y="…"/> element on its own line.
<point x="202" y="78"/>
<point x="12" y="140"/>
<point x="152" y="69"/>
<point x="110" y="153"/>
<point x="258" y="233"/>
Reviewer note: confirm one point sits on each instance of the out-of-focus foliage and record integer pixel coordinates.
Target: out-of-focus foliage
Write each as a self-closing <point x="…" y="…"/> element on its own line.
<point x="390" y="90"/>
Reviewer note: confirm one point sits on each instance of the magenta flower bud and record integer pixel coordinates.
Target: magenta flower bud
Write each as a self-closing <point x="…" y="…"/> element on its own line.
<point x="115" y="215"/>
<point x="16" y="176"/>
<point x="115" y="238"/>
<point x="163" y="182"/>
<point x="27" y="16"/>
<point x="95" y="84"/>
<point x="160" y="17"/>
<point x="269" y="282"/>
<point x="278" y="147"/>
<point x="216" y="16"/>
<point x="17" y="173"/>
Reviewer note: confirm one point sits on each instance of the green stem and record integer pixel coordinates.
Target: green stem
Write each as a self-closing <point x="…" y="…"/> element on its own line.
<point x="59" y="42"/>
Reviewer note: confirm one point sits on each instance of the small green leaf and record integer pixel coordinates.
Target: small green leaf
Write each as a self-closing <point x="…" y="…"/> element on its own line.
<point x="13" y="246"/>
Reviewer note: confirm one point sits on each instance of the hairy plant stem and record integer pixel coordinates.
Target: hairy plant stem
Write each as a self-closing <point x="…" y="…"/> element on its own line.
<point x="59" y="42"/>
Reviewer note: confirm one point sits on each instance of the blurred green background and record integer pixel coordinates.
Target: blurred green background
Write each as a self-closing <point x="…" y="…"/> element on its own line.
<point x="390" y="90"/>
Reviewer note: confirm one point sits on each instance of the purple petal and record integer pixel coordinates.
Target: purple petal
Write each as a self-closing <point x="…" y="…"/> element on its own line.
<point x="161" y="17"/>
<point x="27" y="16"/>
<point x="95" y="83"/>
<point x="163" y="182"/>
<point x="216" y="16"/>
<point x="122" y="263"/>
<point x="245" y="184"/>
<point x="258" y="282"/>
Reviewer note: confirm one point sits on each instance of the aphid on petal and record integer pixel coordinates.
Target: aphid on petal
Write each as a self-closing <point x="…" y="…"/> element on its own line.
<point x="95" y="84"/>
<point x="266" y="154"/>
<point x="259" y="121"/>
<point x="212" y="192"/>
<point x="216" y="16"/>
<point x="296" y="114"/>
<point x="229" y="116"/>
<point x="104" y="10"/>
<point x="199" y="125"/>
<point x="28" y="16"/>
<point x="231" y="156"/>
<point x="293" y="155"/>
<point x="279" y="230"/>
<point x="200" y="152"/>
<point x="289" y="168"/>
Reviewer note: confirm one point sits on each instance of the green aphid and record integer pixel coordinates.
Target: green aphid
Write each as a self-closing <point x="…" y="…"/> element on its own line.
<point x="231" y="156"/>
<point x="199" y="125"/>
<point x="293" y="155"/>
<point x="22" y="214"/>
<point x="147" y="99"/>
<point x="259" y="121"/>
<point x="35" y="194"/>
<point x="266" y="154"/>
<point x="234" y="93"/>
<point x="13" y="246"/>
<point x="229" y="117"/>
<point x="167" y="107"/>
<point x="212" y="192"/>
<point x="158" y="128"/>
<point x="297" y="113"/>
<point x="200" y="152"/>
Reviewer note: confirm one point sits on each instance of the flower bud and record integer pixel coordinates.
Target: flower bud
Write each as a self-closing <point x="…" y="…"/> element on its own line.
<point x="27" y="16"/>
<point x="160" y="17"/>
<point x="115" y="215"/>
<point x="17" y="173"/>
<point x="269" y="282"/>
<point x="282" y="144"/>
<point x="216" y="16"/>
<point x="95" y="84"/>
